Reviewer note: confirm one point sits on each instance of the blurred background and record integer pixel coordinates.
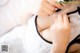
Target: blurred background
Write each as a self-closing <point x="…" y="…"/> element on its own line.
<point x="16" y="12"/>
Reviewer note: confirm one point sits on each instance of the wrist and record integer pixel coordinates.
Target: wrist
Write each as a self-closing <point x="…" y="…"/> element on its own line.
<point x="59" y="48"/>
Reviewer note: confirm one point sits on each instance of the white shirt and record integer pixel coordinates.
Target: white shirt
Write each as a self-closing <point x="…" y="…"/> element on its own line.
<point x="25" y="39"/>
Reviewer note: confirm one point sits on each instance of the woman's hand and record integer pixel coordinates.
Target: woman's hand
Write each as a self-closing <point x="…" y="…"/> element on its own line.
<point x="61" y="29"/>
<point x="58" y="33"/>
<point x="47" y="9"/>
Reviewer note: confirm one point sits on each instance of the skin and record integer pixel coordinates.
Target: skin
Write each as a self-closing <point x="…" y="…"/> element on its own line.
<point x="49" y="9"/>
<point x="73" y="50"/>
<point x="54" y="26"/>
<point x="45" y="11"/>
<point x="57" y="32"/>
<point x="54" y="33"/>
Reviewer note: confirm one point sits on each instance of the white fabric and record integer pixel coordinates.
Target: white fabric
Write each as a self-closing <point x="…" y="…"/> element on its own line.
<point x="25" y="39"/>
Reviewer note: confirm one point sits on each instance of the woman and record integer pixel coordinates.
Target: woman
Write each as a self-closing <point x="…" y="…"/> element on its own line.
<point x="30" y="38"/>
<point x="72" y="10"/>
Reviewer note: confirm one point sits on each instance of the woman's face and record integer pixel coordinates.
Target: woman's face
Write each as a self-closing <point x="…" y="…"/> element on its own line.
<point x="69" y="6"/>
<point x="72" y="2"/>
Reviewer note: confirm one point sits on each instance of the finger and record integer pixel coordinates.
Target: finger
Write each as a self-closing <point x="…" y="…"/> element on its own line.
<point x="60" y="18"/>
<point x="48" y="11"/>
<point x="55" y="3"/>
<point x="44" y="0"/>
<point x="66" y="20"/>
<point x="42" y="14"/>
<point x="49" y="6"/>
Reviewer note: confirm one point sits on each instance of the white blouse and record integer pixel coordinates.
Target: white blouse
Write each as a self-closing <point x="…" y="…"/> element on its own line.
<point x="25" y="39"/>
